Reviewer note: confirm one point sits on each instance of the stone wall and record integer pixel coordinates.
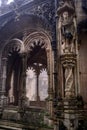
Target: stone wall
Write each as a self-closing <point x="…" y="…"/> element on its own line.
<point x="83" y="66"/>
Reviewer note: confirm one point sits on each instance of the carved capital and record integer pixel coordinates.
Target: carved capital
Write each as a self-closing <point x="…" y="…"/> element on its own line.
<point x="66" y="6"/>
<point x="68" y="60"/>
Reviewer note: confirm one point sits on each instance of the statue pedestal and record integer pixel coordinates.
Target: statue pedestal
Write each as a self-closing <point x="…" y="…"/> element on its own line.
<point x="70" y="114"/>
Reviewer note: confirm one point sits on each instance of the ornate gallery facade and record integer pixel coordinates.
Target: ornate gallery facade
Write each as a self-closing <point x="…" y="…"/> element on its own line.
<point x="43" y="64"/>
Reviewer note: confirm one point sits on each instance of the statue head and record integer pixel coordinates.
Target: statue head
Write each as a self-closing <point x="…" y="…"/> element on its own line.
<point x="65" y="16"/>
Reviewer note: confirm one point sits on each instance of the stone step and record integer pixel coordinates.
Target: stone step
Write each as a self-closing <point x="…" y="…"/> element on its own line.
<point x="15" y="108"/>
<point x="11" y="113"/>
<point x="8" y="125"/>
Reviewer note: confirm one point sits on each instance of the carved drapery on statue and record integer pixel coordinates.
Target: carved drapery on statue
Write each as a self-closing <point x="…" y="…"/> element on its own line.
<point x="67" y="29"/>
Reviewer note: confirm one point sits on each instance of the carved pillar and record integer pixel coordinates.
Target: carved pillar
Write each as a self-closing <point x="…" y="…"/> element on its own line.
<point x="4" y="60"/>
<point x="68" y="62"/>
<point x="55" y="80"/>
<point x="37" y="77"/>
<point x="67" y="46"/>
<point x="56" y="88"/>
<point x="67" y="42"/>
<point x="37" y="71"/>
<point x="50" y="85"/>
<point x="23" y="98"/>
<point x="3" y="97"/>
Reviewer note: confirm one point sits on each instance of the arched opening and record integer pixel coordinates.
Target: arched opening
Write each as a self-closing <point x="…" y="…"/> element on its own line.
<point x="31" y="85"/>
<point x="29" y="67"/>
<point x="39" y="61"/>
<point x="13" y="77"/>
<point x="11" y="71"/>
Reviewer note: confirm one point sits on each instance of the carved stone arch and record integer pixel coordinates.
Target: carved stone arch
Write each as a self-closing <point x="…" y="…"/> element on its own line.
<point x="37" y="36"/>
<point x="44" y="40"/>
<point x="13" y="45"/>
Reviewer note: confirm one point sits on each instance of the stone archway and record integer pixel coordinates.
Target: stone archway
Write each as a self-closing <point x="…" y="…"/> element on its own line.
<point x="35" y="44"/>
<point x="17" y="58"/>
<point x="11" y="70"/>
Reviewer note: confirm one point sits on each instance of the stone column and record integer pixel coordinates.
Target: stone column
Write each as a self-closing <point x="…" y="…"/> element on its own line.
<point x="55" y="83"/>
<point x="37" y="83"/>
<point x="3" y="97"/>
<point x="4" y="60"/>
<point x="37" y="67"/>
<point x="37" y="77"/>
<point x="23" y="99"/>
<point x="50" y="85"/>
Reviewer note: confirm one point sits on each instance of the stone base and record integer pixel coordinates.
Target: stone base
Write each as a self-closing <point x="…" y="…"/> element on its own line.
<point x="11" y="114"/>
<point x="70" y="114"/>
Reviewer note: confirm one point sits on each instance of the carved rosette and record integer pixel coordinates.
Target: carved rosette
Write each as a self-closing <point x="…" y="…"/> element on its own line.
<point x="68" y="62"/>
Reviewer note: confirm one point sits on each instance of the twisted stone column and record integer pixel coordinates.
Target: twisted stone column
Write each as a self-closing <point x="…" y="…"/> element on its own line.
<point x="69" y="81"/>
<point x="68" y="63"/>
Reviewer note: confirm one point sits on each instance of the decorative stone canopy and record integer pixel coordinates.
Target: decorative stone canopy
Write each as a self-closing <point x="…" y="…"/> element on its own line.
<point x="66" y="7"/>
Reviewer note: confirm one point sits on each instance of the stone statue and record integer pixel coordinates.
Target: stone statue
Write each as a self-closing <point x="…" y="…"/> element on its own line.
<point x="67" y="31"/>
